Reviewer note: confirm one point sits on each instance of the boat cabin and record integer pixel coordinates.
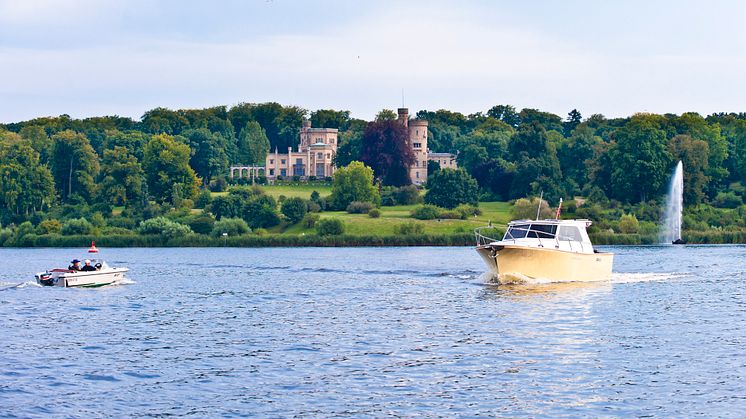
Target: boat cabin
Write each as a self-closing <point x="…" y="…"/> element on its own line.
<point x="567" y="235"/>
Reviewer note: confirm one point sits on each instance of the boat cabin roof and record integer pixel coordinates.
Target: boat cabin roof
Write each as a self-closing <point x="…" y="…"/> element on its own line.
<point x="561" y="230"/>
<point x="581" y="222"/>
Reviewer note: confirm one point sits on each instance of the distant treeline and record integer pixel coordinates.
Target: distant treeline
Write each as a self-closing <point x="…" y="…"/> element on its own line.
<point x="51" y="167"/>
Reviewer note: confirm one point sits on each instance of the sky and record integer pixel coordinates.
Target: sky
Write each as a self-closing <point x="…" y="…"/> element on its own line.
<point x="96" y="57"/>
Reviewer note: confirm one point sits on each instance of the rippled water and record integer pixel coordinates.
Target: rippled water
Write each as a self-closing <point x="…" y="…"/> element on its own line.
<point x="373" y="332"/>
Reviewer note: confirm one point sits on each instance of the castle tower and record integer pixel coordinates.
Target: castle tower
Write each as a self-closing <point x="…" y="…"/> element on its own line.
<point x="418" y="141"/>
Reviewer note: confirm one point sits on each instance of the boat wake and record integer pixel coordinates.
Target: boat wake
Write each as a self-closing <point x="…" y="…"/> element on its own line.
<point x="616" y="278"/>
<point x="629" y="277"/>
<point x="13" y="285"/>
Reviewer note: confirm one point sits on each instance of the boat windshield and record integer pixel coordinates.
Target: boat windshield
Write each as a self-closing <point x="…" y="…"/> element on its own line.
<point x="532" y="231"/>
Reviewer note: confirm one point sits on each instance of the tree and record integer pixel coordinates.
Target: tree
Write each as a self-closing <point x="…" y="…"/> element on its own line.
<point x="694" y="156"/>
<point x="40" y="141"/>
<point x="26" y="186"/>
<point x="166" y="163"/>
<point x="121" y="178"/>
<point x="253" y="144"/>
<point x="537" y="166"/>
<point x="639" y="159"/>
<point x="209" y="158"/>
<point x="448" y="188"/>
<point x="353" y="183"/>
<point x="329" y="118"/>
<point x="386" y="115"/>
<point x="574" y="154"/>
<point x="506" y="114"/>
<point x="573" y="120"/>
<point x="294" y="209"/>
<point x="387" y="151"/>
<point x="739" y="148"/>
<point x="74" y="165"/>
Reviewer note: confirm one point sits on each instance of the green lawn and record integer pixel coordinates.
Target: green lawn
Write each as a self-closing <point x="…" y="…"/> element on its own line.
<point x="362" y="224"/>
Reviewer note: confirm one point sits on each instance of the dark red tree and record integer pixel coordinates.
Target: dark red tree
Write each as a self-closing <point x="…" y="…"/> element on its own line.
<point x="386" y="149"/>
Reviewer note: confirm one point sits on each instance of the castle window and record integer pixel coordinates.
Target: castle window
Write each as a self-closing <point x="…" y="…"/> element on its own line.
<point x="417" y="145"/>
<point x="282" y="161"/>
<point x="417" y="175"/>
<point x="320" y="156"/>
<point x="328" y="155"/>
<point x="271" y="161"/>
<point x="271" y="172"/>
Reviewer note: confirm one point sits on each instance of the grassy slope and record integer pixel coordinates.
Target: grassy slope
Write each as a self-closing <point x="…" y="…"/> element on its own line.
<point x="362" y="224"/>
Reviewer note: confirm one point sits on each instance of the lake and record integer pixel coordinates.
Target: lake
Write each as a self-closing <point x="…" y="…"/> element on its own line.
<point x="373" y="332"/>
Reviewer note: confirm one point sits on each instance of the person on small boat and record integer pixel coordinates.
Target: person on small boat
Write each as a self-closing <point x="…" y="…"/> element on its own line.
<point x="88" y="267"/>
<point x="75" y="265"/>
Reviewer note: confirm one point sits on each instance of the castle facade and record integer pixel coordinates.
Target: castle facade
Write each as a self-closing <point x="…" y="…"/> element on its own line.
<point x="318" y="147"/>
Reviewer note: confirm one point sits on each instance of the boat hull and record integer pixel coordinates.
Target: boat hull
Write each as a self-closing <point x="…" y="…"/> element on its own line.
<point x="64" y="278"/>
<point x="520" y="264"/>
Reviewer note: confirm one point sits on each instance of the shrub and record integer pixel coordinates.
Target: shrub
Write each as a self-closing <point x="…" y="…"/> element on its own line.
<point x="49" y="227"/>
<point x="523" y="209"/>
<point x="261" y="232"/>
<point x="409" y="228"/>
<point x="466" y="211"/>
<point x="374" y="213"/>
<point x="203" y="199"/>
<point x="310" y="220"/>
<point x="76" y="226"/>
<point x="163" y="226"/>
<point x="294" y="209"/>
<point x="628" y="224"/>
<point x="426" y="212"/>
<point x="727" y="200"/>
<point x="312" y="206"/>
<point x="407" y="195"/>
<point x="330" y="227"/>
<point x="98" y="220"/>
<point x="232" y="226"/>
<point x="218" y="184"/>
<point x="450" y="215"/>
<point x="108" y="231"/>
<point x="358" y="207"/>
<point x="124" y="222"/>
<point x="24" y="229"/>
<point x="202" y="224"/>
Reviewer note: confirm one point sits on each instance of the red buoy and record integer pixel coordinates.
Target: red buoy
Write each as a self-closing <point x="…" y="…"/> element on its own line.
<point x="93" y="248"/>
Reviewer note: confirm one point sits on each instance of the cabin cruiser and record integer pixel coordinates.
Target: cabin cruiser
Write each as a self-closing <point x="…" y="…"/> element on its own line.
<point x="102" y="275"/>
<point x="541" y="251"/>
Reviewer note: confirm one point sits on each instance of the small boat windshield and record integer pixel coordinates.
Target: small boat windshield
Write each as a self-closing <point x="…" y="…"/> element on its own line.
<point x="531" y="231"/>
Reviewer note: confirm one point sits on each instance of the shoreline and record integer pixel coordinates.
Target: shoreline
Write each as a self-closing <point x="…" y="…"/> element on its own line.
<point x="461" y="239"/>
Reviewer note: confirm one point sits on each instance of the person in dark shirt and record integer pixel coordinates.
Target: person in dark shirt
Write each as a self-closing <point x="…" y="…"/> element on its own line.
<point x="75" y="265"/>
<point x="88" y="267"/>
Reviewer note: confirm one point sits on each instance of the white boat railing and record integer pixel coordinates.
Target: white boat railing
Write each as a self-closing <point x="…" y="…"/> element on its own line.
<point x="484" y="240"/>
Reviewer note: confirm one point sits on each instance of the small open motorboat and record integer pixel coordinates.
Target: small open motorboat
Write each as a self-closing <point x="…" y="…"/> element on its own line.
<point x="540" y="251"/>
<point x="100" y="274"/>
<point x="103" y="275"/>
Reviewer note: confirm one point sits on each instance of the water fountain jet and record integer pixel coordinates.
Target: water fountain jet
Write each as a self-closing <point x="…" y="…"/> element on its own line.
<point x="670" y="231"/>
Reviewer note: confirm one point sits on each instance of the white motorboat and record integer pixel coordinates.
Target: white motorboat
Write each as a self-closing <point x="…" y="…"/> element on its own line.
<point x="541" y="251"/>
<point x="96" y="273"/>
<point x="102" y="275"/>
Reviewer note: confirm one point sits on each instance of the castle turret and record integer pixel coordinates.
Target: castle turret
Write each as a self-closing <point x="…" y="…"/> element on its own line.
<point x="403" y="116"/>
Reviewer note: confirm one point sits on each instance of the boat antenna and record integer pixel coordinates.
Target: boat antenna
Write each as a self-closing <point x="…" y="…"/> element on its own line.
<point x="559" y="210"/>
<point x="538" y="210"/>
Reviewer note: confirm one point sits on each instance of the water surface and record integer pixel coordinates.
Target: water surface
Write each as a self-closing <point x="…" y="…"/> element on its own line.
<point x="373" y="332"/>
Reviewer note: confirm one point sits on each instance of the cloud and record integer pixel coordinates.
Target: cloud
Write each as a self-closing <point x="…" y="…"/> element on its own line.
<point x="443" y="57"/>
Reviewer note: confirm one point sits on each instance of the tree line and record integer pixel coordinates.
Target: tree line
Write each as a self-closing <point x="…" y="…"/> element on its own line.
<point x="50" y="166"/>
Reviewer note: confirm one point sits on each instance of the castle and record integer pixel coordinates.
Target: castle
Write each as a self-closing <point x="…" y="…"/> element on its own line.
<point x="318" y="147"/>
